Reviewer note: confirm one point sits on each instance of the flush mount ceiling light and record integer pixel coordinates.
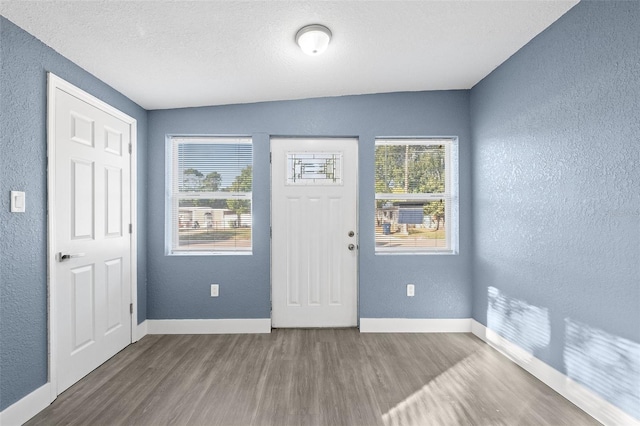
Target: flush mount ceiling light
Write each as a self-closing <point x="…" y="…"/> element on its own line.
<point x="313" y="39"/>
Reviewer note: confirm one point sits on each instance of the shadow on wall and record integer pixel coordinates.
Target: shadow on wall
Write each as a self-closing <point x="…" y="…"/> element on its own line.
<point x="608" y="364"/>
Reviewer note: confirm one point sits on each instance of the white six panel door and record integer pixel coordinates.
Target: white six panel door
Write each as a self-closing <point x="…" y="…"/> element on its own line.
<point x="314" y="235"/>
<point x="92" y="207"/>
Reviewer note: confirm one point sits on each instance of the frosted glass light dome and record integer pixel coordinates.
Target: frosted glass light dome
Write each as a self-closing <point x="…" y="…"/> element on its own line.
<point x="313" y="39"/>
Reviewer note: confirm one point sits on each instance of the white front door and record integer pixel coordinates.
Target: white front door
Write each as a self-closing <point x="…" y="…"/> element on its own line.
<point x="314" y="237"/>
<point x="91" y="250"/>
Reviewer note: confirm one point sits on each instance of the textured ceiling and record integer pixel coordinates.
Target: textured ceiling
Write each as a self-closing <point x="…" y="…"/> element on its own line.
<point x="169" y="54"/>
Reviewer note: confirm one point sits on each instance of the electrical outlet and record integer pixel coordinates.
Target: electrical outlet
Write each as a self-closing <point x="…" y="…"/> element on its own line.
<point x="215" y="288"/>
<point x="411" y="290"/>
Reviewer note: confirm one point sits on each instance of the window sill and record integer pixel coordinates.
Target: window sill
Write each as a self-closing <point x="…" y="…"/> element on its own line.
<point x="210" y="253"/>
<point x="415" y="253"/>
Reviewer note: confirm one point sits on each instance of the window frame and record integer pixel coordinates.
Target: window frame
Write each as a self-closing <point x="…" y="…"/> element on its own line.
<point x="450" y="195"/>
<point x="173" y="196"/>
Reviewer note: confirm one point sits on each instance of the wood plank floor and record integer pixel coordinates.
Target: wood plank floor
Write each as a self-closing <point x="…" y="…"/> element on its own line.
<point x="310" y="377"/>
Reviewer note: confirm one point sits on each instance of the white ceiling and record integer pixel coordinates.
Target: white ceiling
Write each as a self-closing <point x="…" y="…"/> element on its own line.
<point x="176" y="53"/>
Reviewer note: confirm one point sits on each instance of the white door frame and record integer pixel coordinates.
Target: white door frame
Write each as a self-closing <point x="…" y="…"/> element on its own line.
<point x="357" y="217"/>
<point x="53" y="84"/>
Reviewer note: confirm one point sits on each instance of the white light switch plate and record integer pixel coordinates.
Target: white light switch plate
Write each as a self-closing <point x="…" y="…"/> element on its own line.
<point x="18" y="202"/>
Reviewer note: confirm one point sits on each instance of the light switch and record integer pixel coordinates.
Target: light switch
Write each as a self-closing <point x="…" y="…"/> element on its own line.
<point x="17" y="202"/>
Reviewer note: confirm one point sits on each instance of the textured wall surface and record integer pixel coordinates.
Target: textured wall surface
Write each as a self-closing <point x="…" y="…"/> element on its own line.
<point x="23" y="236"/>
<point x="556" y="204"/>
<point x="178" y="286"/>
<point x="556" y="197"/>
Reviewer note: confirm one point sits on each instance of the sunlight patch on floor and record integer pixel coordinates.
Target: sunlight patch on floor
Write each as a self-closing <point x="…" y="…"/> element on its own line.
<point x="446" y="399"/>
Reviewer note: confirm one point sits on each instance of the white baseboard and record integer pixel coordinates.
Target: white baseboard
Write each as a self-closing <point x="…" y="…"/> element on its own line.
<point x="141" y="330"/>
<point x="590" y="402"/>
<point x="210" y="326"/>
<point x="414" y="325"/>
<point x="24" y="409"/>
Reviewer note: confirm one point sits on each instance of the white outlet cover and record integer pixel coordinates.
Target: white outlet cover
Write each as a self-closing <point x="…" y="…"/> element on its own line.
<point x="215" y="290"/>
<point x="411" y="290"/>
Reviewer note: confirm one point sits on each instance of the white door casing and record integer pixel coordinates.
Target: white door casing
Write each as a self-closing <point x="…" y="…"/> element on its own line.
<point x="314" y="232"/>
<point x="91" y="250"/>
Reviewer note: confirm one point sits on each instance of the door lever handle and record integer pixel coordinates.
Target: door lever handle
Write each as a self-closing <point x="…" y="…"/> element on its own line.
<point x="63" y="257"/>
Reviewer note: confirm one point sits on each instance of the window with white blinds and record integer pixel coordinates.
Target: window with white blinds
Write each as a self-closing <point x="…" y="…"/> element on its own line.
<point x="210" y="195"/>
<point x="416" y="202"/>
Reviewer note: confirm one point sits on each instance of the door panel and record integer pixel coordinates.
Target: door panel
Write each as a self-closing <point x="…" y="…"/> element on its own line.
<point x="92" y="205"/>
<point x="114" y="278"/>
<point x="113" y="141"/>
<point x="314" y="273"/>
<point x="82" y="184"/>
<point x="82" y="129"/>
<point x="82" y="307"/>
<point x="113" y="201"/>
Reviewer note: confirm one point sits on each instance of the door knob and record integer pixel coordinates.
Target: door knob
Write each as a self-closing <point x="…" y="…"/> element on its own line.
<point x="351" y="246"/>
<point x="63" y="257"/>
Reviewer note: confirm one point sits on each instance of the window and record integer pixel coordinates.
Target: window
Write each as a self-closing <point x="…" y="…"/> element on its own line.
<point x="416" y="202"/>
<point x="210" y="195"/>
<point x="319" y="168"/>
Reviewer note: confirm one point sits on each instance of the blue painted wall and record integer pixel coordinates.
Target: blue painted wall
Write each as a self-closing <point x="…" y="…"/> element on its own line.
<point x="179" y="285"/>
<point x="555" y="260"/>
<point x="23" y="236"/>
<point x="556" y="198"/>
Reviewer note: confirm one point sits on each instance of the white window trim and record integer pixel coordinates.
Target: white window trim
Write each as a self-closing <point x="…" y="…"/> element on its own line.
<point x="171" y="232"/>
<point x="451" y="221"/>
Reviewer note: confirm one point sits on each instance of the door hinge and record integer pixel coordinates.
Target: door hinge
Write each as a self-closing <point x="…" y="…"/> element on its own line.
<point x="270" y="154"/>
<point x="130" y="149"/>
<point x="131" y="308"/>
<point x="270" y="232"/>
<point x="131" y="228"/>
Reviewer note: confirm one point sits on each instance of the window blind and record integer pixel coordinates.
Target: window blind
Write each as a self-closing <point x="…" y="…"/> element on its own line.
<point x="210" y="197"/>
<point x="413" y="194"/>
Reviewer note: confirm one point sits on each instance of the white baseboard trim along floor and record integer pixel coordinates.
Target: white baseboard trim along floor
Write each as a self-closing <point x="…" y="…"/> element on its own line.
<point x="210" y="326"/>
